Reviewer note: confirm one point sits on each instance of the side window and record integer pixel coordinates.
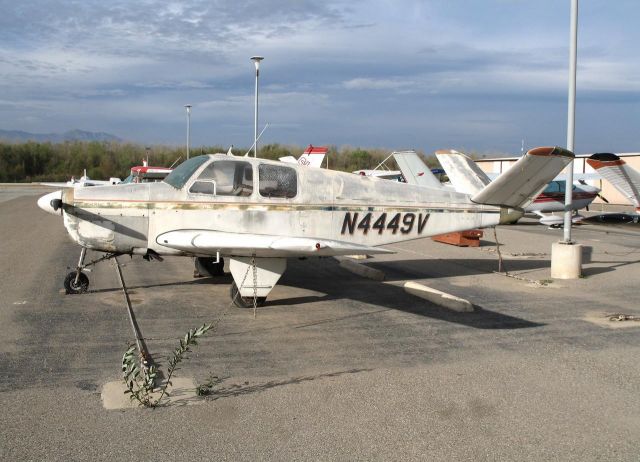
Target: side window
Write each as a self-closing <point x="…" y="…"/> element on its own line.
<point x="225" y="178"/>
<point x="277" y="181"/>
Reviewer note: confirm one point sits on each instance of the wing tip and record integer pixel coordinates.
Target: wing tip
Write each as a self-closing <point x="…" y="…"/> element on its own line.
<point x="551" y="151"/>
<point x="604" y="159"/>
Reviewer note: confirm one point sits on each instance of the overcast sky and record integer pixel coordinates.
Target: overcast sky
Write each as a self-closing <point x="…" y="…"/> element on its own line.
<point x="475" y="75"/>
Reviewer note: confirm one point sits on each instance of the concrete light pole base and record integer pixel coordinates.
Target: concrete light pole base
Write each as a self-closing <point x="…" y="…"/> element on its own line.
<point x="566" y="260"/>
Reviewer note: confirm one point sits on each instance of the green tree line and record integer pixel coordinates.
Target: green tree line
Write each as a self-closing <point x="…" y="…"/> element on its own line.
<point x="35" y="162"/>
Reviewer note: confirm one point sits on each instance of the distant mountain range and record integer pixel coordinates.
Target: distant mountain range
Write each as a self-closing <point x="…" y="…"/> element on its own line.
<point x="72" y="135"/>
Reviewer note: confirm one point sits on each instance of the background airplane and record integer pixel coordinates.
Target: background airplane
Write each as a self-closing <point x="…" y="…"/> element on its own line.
<point x="313" y="156"/>
<point x="83" y="181"/>
<point x="466" y="176"/>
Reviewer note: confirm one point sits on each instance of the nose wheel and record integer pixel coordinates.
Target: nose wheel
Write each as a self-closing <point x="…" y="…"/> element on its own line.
<point x="77" y="282"/>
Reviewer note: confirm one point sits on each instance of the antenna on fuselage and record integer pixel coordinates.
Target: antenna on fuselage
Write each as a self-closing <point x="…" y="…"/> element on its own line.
<point x="256" y="141"/>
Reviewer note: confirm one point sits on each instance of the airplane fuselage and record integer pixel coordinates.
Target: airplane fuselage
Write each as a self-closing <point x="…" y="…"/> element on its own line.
<point x="325" y="205"/>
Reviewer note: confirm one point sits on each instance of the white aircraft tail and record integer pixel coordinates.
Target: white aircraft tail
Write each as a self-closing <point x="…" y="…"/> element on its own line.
<point x="464" y="174"/>
<point x="414" y="170"/>
<point x="623" y="177"/>
<point x="313" y="156"/>
<point x="518" y="186"/>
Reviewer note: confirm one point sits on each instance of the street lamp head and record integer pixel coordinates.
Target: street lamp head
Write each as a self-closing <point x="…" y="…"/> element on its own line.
<point x="188" y="107"/>
<point x="256" y="60"/>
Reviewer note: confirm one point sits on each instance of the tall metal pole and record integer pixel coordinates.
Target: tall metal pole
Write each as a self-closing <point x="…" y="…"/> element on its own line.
<point x="571" y="118"/>
<point x="256" y="60"/>
<point x="188" y="107"/>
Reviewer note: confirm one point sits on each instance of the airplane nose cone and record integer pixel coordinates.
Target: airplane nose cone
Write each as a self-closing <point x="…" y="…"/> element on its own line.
<point x="51" y="203"/>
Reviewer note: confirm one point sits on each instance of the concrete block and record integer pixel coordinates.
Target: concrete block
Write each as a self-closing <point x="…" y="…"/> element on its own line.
<point x="438" y="297"/>
<point x="362" y="270"/>
<point x="566" y="260"/>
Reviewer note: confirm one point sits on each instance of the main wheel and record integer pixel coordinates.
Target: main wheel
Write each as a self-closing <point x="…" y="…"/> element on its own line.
<point x="244" y="302"/>
<point x="208" y="266"/>
<point x="70" y="285"/>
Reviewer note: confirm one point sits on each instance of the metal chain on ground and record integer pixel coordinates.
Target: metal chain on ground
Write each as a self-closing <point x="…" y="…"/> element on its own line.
<point x="241" y="285"/>
<point x="623" y="317"/>
<point x="255" y="284"/>
<point x="500" y="264"/>
<point x="505" y="272"/>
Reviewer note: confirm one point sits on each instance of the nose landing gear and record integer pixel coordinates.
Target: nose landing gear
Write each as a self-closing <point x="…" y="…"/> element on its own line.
<point x="77" y="282"/>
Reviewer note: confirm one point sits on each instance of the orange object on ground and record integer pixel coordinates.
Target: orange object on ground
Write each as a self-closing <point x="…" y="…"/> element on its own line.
<point x="469" y="238"/>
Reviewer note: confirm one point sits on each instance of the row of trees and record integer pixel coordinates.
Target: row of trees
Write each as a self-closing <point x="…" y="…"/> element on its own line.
<point x="35" y="162"/>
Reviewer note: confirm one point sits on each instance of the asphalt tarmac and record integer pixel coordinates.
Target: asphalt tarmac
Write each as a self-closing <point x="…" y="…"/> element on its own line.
<point x="335" y="366"/>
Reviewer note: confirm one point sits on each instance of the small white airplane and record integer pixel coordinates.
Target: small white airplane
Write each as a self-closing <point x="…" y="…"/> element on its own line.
<point x="311" y="157"/>
<point x="257" y="213"/>
<point x="467" y="177"/>
<point x="83" y="181"/>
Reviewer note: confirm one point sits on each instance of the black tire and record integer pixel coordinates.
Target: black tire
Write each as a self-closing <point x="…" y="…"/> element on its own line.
<point x="70" y="285"/>
<point x="208" y="266"/>
<point x="244" y="302"/>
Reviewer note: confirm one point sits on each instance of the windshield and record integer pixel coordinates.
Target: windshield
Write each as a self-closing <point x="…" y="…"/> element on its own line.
<point x="183" y="172"/>
<point x="128" y="179"/>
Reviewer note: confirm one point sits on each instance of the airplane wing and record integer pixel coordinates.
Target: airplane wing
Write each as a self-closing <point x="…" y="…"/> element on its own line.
<point x="623" y="177"/>
<point x="206" y="242"/>
<point x="465" y="175"/>
<point x="66" y="184"/>
<point x="518" y="186"/>
<point x="414" y="170"/>
<point x="83" y="183"/>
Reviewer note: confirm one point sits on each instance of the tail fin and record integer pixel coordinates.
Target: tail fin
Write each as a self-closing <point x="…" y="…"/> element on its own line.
<point x="313" y="156"/>
<point x="465" y="175"/>
<point x="414" y="170"/>
<point x="623" y="177"/>
<point x="518" y="186"/>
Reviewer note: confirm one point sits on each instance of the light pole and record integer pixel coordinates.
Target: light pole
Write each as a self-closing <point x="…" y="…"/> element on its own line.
<point x="566" y="255"/>
<point x="188" y="108"/>
<point x="256" y="60"/>
<point x="571" y="117"/>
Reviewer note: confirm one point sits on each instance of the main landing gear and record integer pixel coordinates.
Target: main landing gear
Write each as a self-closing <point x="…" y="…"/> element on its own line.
<point x="205" y="266"/>
<point x="77" y="282"/>
<point x="244" y="302"/>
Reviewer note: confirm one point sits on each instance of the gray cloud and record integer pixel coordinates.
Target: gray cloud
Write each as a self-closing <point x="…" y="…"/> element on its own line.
<point x="412" y="73"/>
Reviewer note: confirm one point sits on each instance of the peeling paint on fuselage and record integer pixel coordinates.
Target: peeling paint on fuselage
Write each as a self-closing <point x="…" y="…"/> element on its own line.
<point x="128" y="218"/>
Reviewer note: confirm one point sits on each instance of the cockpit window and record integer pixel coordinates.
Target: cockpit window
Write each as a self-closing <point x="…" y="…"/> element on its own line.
<point x="276" y="181"/>
<point x="231" y="178"/>
<point x="554" y="187"/>
<point x="179" y="176"/>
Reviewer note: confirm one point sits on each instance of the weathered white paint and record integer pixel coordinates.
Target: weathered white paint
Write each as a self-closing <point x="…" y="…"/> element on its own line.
<point x="333" y="213"/>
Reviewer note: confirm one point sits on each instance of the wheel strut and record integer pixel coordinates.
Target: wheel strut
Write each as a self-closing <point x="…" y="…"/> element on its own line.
<point x="83" y="253"/>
